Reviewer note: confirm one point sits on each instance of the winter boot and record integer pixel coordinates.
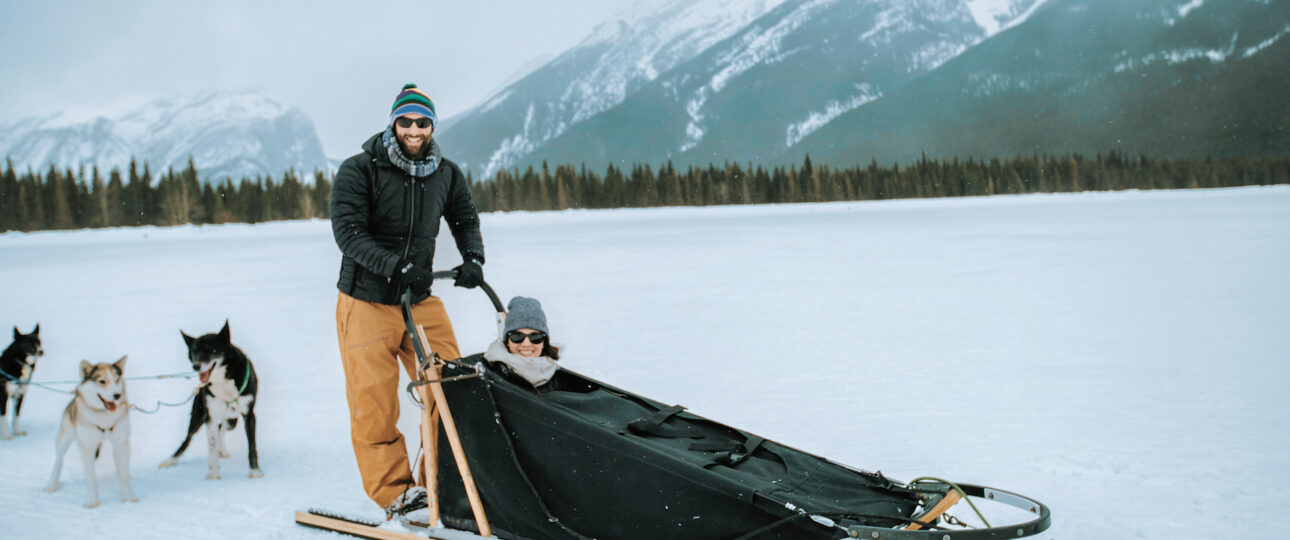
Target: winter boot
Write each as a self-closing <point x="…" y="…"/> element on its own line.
<point x="411" y="506"/>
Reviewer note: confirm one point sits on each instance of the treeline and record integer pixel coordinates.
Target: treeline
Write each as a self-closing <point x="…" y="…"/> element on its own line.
<point x="640" y="186"/>
<point x="63" y="199"/>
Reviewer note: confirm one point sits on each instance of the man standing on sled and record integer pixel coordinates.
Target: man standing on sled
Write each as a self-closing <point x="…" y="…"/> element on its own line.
<point x="386" y="204"/>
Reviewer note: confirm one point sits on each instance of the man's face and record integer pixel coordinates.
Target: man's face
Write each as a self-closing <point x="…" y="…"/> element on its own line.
<point x="413" y="139"/>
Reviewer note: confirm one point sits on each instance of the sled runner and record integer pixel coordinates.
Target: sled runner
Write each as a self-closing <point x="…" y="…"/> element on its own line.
<point x="578" y="458"/>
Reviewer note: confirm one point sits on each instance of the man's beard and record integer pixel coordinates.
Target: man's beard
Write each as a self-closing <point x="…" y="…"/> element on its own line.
<point x="425" y="149"/>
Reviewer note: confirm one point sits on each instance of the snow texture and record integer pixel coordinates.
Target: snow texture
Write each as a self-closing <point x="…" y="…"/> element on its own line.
<point x="865" y="93"/>
<point x="995" y="16"/>
<point x="1118" y="356"/>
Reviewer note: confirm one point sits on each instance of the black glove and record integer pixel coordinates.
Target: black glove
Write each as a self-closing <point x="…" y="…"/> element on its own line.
<point x="413" y="277"/>
<point x="470" y="274"/>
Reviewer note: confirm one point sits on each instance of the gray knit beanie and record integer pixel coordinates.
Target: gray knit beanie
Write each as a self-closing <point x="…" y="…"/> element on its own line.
<point x="524" y="312"/>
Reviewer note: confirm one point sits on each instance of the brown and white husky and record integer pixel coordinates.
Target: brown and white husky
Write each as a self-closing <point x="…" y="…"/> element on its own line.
<point x="98" y="413"/>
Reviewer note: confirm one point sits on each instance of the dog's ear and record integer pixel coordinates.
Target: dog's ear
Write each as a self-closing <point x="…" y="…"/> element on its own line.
<point x="35" y="332"/>
<point x="16" y="333"/>
<point x="86" y="369"/>
<point x="120" y="364"/>
<point x="188" y="340"/>
<point x="224" y="334"/>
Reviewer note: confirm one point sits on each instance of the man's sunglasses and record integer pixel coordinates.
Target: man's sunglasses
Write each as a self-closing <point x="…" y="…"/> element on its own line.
<point x="404" y="122"/>
<point x="535" y="338"/>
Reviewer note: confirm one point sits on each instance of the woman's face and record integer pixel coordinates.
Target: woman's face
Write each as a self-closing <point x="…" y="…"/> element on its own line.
<point x="525" y="347"/>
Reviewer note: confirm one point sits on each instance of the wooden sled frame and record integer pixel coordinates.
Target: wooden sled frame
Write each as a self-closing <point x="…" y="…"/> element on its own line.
<point x="948" y="500"/>
<point x="436" y="410"/>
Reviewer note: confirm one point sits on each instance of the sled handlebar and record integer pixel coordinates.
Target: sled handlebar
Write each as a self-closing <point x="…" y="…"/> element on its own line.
<point x="488" y="289"/>
<point x="405" y="300"/>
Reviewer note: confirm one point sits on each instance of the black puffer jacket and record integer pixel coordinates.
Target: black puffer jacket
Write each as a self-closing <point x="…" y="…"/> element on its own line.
<point x="380" y="213"/>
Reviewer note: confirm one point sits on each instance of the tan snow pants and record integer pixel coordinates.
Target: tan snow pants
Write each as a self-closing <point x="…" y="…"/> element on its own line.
<point x="373" y="342"/>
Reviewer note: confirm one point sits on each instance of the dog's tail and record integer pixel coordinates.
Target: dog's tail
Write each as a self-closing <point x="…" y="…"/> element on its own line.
<point x="67" y="427"/>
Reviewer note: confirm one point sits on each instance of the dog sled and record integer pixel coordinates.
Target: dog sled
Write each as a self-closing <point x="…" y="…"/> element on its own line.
<point x="579" y="458"/>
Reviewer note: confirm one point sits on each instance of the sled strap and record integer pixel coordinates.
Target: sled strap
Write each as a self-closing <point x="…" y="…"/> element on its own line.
<point x="653" y="425"/>
<point x="750" y="445"/>
<point x="729" y="453"/>
<point x="705" y="446"/>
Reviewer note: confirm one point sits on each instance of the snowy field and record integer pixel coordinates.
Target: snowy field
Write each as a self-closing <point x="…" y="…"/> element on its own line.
<point x="1121" y="357"/>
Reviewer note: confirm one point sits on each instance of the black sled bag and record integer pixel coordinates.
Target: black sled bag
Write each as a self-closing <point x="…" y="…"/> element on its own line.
<point x="578" y="458"/>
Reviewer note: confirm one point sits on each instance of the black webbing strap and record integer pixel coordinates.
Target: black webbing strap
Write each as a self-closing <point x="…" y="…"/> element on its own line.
<point x="729" y="453"/>
<point x="750" y="445"/>
<point x="653" y="425"/>
<point x="723" y="446"/>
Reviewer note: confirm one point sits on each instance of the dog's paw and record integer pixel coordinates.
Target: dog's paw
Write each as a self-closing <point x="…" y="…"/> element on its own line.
<point x="257" y="473"/>
<point x="130" y="497"/>
<point x="214" y="475"/>
<point x="224" y="454"/>
<point x="6" y="437"/>
<point x="53" y="487"/>
<point x="168" y="463"/>
<point x="91" y="504"/>
<point x="20" y="433"/>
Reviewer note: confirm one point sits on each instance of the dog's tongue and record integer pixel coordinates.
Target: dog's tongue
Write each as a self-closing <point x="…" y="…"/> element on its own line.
<point x="206" y="375"/>
<point x="111" y="405"/>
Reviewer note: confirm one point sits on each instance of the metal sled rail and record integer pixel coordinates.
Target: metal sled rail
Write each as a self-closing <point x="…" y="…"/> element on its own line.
<point x="1020" y="530"/>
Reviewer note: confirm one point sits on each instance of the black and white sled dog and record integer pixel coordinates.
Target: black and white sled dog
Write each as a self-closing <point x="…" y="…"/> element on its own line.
<point x="227" y="390"/>
<point x="100" y="412"/>
<point x="16" y="366"/>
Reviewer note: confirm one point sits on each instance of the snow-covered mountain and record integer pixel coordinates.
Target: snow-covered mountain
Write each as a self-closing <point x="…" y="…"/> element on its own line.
<point x="614" y="62"/>
<point x="1166" y="78"/>
<point x="721" y="79"/>
<point x="228" y="133"/>
<point x="851" y="81"/>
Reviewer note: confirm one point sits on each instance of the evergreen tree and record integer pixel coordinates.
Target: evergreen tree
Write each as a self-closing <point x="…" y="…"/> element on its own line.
<point x="132" y="197"/>
<point x="613" y="193"/>
<point x="31" y="211"/>
<point x="86" y="211"/>
<point x="209" y="211"/>
<point x="99" y="195"/>
<point x="115" y="214"/>
<point x="9" y="198"/>
<point x="58" y="205"/>
<point x="148" y="204"/>
<point x="179" y="196"/>
<point x="321" y="195"/>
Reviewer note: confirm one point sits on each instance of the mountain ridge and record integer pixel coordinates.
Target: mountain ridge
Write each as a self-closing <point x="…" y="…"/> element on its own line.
<point x="851" y="82"/>
<point x="697" y="111"/>
<point x="231" y="133"/>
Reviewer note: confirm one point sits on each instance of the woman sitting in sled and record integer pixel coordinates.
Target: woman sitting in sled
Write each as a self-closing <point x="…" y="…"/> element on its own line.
<point x="525" y="350"/>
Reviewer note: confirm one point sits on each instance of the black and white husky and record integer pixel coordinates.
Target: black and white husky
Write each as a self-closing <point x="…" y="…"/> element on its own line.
<point x="99" y="413"/>
<point x="17" y="363"/>
<point x="227" y="390"/>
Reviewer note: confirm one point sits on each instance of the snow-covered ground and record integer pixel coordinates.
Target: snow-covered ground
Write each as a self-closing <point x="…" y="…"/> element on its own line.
<point x="1120" y="356"/>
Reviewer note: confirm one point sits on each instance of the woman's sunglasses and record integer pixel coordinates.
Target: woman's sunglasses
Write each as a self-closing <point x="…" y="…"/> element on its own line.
<point x="535" y="338"/>
<point x="403" y="122"/>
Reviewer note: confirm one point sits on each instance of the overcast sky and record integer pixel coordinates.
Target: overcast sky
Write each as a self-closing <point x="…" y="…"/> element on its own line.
<point x="340" y="62"/>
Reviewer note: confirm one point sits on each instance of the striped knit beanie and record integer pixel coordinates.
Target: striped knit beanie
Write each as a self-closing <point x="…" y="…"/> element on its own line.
<point x="412" y="100"/>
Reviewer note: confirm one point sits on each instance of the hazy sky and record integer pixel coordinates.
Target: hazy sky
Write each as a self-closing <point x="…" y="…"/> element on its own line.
<point x="340" y="62"/>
